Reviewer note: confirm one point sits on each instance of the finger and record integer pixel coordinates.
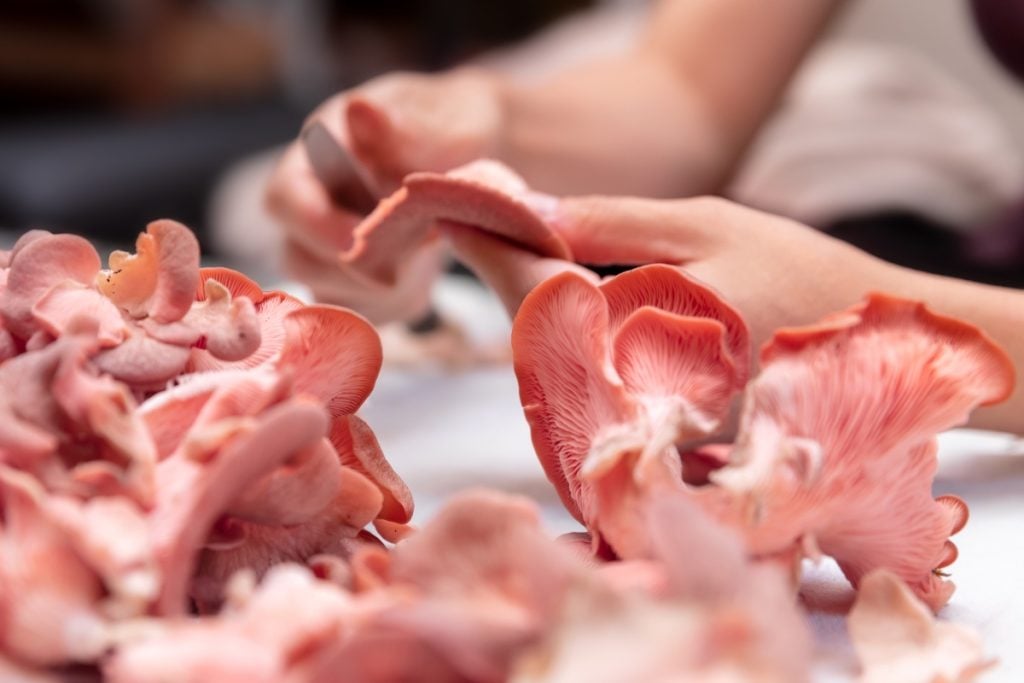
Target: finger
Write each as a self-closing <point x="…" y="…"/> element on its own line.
<point x="375" y="144"/>
<point x="301" y="203"/>
<point x="511" y="272"/>
<point x="332" y="282"/>
<point x="632" y="231"/>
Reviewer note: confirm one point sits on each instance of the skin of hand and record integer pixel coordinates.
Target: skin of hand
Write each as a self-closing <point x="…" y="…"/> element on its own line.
<point x="777" y="272"/>
<point x="668" y="118"/>
<point x="673" y="116"/>
<point x="392" y="125"/>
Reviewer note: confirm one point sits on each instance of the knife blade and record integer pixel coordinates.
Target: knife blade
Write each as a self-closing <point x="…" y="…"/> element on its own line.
<point x="335" y="168"/>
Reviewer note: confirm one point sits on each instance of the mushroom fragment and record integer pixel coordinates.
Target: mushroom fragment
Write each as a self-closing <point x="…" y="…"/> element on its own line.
<point x="897" y="638"/>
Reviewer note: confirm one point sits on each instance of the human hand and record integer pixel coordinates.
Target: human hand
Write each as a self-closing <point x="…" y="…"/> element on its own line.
<point x="391" y="126"/>
<point x="775" y="271"/>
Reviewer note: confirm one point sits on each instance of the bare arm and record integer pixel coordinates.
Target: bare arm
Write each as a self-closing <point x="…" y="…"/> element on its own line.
<point x="671" y="117"/>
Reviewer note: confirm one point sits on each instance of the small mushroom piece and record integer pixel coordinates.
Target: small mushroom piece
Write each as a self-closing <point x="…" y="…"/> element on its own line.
<point x="192" y="493"/>
<point x="837" y="438"/>
<point x="270" y="310"/>
<point x="359" y="450"/>
<point x="159" y="280"/>
<point x="57" y="309"/>
<point x="39" y="262"/>
<point x="610" y="382"/>
<point x="898" y="639"/>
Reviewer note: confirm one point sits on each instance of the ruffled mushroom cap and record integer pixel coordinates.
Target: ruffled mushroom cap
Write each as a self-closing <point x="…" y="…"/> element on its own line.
<point x="198" y="483"/>
<point x="333" y="354"/>
<point x="208" y="397"/>
<point x="224" y="326"/>
<point x="104" y="416"/>
<point x="359" y="450"/>
<point x="570" y="393"/>
<point x="253" y="538"/>
<point x="329" y="352"/>
<point x="142" y="362"/>
<point x="310" y="505"/>
<point x="49" y="281"/>
<point x="158" y="281"/>
<point x="271" y="308"/>
<point x="897" y="638"/>
<point x="483" y="194"/>
<point x="320" y="500"/>
<point x="49" y="597"/>
<point x="155" y="290"/>
<point x="57" y="309"/>
<point x="837" y="440"/>
<point x="612" y="376"/>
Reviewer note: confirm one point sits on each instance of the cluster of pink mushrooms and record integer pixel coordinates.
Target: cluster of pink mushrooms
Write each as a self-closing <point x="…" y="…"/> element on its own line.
<point x="186" y="493"/>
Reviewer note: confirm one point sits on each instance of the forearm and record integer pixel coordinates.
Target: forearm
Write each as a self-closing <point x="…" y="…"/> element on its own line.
<point x="738" y="55"/>
<point x="622" y="126"/>
<point x="671" y="117"/>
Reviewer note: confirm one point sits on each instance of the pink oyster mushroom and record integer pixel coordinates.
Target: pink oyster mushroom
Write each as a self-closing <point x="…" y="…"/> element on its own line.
<point x="798" y="479"/>
<point x="612" y="376"/>
<point x="836" y="449"/>
<point x="714" y="615"/>
<point x="482" y="594"/>
<point x="897" y="638"/>
<point x="483" y="194"/>
<point x="334" y="486"/>
<point x="143" y="307"/>
<point x="73" y="428"/>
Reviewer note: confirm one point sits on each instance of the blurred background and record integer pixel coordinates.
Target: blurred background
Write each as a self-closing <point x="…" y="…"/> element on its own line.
<point x="116" y="112"/>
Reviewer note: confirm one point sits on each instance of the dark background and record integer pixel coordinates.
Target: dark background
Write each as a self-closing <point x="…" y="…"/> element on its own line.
<point x="113" y="112"/>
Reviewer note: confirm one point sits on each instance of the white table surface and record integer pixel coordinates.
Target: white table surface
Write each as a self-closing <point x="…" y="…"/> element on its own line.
<point x="447" y="431"/>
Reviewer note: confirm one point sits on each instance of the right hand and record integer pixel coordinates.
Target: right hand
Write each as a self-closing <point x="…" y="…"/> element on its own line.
<point x="775" y="271"/>
<point x="392" y="125"/>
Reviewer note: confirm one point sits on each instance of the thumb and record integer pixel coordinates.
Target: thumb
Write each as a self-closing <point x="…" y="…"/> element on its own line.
<point x="375" y="142"/>
<point x="632" y="231"/>
<point x="510" y="271"/>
